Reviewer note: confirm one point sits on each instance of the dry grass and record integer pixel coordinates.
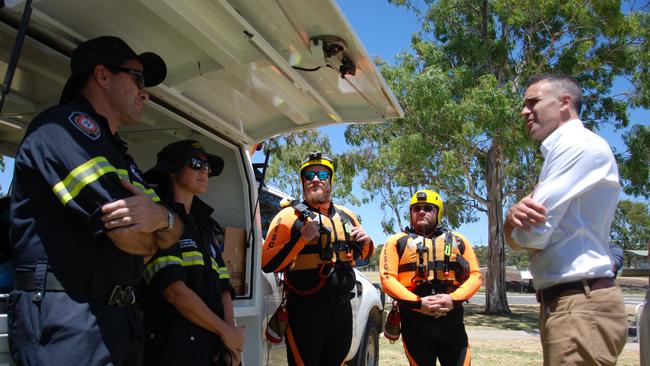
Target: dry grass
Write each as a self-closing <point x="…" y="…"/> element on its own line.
<point x="522" y="317"/>
<point x="493" y="353"/>
<point x="485" y="352"/>
<point x="488" y="352"/>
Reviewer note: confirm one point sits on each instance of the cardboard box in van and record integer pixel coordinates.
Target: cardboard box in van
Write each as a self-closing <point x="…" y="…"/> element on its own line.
<point x="234" y="254"/>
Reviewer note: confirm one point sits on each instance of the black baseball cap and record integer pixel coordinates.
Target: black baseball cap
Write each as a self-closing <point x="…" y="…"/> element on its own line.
<point x="173" y="156"/>
<point x="109" y="51"/>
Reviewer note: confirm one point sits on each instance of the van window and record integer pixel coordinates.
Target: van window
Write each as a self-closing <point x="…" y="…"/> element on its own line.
<point x="269" y="207"/>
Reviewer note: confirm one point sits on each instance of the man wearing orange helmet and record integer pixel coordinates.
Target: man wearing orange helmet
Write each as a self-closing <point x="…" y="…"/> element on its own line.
<point x="315" y="244"/>
<point x="430" y="272"/>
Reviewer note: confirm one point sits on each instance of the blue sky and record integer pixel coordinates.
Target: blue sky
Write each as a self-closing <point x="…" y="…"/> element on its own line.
<point x="386" y="30"/>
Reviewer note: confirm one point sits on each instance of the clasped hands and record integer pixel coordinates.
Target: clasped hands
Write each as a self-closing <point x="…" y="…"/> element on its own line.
<point x="436" y="305"/>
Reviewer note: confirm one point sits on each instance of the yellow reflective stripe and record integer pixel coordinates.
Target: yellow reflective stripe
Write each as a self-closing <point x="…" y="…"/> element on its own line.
<point x="222" y="272"/>
<point x="88" y="172"/>
<point x="224" y="276"/>
<point x="123" y="173"/>
<point x="81" y="176"/>
<point x="193" y="258"/>
<point x="159" y="263"/>
<point x="149" y="192"/>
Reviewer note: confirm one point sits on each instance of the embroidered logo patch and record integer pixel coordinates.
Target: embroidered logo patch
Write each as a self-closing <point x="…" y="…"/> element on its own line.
<point x="85" y="124"/>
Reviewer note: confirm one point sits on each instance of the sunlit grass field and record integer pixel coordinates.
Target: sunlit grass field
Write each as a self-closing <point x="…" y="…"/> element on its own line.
<point x="496" y="351"/>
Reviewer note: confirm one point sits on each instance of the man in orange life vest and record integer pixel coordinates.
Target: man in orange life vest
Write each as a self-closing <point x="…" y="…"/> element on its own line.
<point x="430" y="272"/>
<point x="315" y="243"/>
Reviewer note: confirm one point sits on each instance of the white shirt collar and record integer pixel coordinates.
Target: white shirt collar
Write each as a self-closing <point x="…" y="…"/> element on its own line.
<point x="550" y="140"/>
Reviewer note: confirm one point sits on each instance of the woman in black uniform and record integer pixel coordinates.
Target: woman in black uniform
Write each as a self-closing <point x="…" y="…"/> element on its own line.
<point x="188" y="311"/>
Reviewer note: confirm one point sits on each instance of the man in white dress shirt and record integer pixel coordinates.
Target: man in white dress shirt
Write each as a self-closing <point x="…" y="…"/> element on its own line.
<point x="564" y="223"/>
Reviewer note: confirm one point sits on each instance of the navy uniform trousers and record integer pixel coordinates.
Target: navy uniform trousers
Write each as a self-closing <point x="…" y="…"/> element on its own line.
<point x="72" y="330"/>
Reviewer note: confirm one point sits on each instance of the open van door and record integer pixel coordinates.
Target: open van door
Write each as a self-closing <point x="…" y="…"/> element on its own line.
<point x="239" y="71"/>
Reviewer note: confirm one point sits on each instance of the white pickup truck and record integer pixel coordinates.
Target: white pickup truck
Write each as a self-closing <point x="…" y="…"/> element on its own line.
<point x="239" y="72"/>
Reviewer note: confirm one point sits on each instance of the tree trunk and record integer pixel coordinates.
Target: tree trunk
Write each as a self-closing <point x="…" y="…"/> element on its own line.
<point x="496" y="301"/>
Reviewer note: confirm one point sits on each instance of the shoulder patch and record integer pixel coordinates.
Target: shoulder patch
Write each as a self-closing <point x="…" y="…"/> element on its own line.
<point x="85" y="124"/>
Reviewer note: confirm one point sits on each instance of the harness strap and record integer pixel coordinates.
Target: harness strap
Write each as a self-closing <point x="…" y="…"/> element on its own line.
<point x="401" y="242"/>
<point x="40" y="273"/>
<point x="321" y="282"/>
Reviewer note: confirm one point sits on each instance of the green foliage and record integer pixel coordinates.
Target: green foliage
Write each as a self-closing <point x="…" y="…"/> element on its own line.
<point x="374" y="258"/>
<point x="287" y="154"/>
<point x="519" y="259"/>
<point x="635" y="164"/>
<point x="461" y="92"/>
<point x="481" y="253"/>
<point x="472" y="59"/>
<point x="630" y="226"/>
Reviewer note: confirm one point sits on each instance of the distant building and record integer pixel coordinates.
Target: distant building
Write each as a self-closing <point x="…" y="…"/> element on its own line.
<point x="639" y="258"/>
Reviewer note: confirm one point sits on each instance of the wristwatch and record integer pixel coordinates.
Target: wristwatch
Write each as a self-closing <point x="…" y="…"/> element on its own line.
<point x="170" y="222"/>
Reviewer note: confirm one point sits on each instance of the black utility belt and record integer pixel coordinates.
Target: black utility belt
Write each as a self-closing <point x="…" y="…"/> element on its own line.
<point x="114" y="295"/>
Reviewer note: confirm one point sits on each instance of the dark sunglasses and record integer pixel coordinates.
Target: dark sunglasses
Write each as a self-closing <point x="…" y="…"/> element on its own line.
<point x="198" y="165"/>
<point x="322" y="175"/>
<point x="139" y="77"/>
<point x="425" y="208"/>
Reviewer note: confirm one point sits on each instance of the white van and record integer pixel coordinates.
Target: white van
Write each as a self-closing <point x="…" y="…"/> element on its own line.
<point x="239" y="72"/>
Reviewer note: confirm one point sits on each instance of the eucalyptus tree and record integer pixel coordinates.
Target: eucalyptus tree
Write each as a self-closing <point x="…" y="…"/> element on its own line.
<point x="634" y="164"/>
<point x="630" y="226"/>
<point x="461" y="90"/>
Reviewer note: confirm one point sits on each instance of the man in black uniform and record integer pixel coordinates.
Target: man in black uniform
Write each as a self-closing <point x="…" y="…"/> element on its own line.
<point x="82" y="218"/>
<point x="188" y="310"/>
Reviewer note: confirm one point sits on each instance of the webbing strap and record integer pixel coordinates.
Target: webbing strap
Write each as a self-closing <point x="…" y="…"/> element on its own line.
<point x="39" y="281"/>
<point x="321" y="282"/>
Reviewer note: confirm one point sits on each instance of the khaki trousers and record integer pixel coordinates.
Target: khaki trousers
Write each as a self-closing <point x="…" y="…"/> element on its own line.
<point x="583" y="327"/>
<point x="644" y="337"/>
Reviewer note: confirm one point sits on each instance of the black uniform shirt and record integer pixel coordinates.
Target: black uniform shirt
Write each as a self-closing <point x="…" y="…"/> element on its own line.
<point x="69" y="165"/>
<point x="195" y="259"/>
